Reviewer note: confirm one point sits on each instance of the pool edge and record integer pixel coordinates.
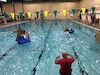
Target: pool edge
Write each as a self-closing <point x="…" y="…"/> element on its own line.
<point x="87" y="25"/>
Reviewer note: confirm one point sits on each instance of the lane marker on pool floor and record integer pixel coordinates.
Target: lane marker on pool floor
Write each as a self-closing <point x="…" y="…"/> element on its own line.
<point x="82" y="68"/>
<point x="42" y="51"/>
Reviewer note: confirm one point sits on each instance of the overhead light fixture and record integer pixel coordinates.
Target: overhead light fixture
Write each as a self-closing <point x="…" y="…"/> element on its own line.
<point x="3" y="0"/>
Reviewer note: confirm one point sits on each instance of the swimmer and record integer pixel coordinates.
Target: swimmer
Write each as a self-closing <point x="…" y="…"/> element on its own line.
<point x="20" y="31"/>
<point x="71" y="31"/>
<point x="66" y="30"/>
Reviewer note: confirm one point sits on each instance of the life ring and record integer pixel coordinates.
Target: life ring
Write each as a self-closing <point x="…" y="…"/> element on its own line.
<point x="71" y="31"/>
<point x="22" y="39"/>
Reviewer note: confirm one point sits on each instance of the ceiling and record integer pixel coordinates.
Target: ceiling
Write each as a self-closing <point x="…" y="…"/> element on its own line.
<point x="43" y="0"/>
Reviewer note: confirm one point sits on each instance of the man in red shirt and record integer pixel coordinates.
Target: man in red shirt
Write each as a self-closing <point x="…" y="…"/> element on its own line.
<point x="65" y="63"/>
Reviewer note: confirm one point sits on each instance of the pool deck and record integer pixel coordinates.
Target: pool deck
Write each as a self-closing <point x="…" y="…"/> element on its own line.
<point x="93" y="26"/>
<point x="12" y="23"/>
<point x="87" y="25"/>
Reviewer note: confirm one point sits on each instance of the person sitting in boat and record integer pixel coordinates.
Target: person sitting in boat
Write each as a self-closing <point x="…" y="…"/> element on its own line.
<point x="19" y="32"/>
<point x="24" y="37"/>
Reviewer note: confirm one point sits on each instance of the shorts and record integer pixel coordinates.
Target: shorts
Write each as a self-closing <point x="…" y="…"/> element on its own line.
<point x="65" y="73"/>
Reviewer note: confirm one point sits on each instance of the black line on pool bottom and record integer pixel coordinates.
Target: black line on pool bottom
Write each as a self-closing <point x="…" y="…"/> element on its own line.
<point x="82" y="68"/>
<point x="39" y="58"/>
<point x="6" y="53"/>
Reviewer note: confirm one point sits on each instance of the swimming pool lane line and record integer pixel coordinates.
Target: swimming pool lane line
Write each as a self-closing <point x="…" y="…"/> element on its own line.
<point x="42" y="51"/>
<point x="33" y="31"/>
<point x="6" y="53"/>
<point x="82" y="68"/>
<point x="37" y="28"/>
<point x="39" y="58"/>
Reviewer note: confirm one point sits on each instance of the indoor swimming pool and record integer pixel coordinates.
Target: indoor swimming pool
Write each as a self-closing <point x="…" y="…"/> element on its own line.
<point x="48" y="41"/>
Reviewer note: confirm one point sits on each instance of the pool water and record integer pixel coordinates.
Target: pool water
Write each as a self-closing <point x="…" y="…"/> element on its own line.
<point x="48" y="41"/>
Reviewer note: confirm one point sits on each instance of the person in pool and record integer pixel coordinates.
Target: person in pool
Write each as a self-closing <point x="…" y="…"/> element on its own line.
<point x="24" y="37"/>
<point x="19" y="32"/>
<point x="65" y="63"/>
<point x="69" y="31"/>
<point x="66" y="30"/>
<point x="25" y="34"/>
